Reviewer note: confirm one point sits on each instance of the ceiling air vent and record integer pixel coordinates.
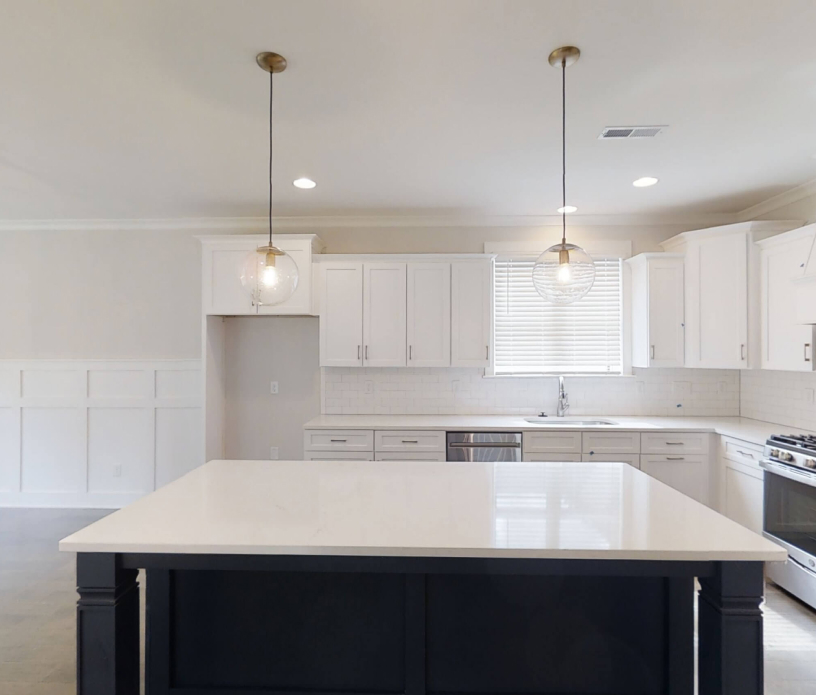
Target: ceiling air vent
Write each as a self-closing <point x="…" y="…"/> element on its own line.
<point x="631" y="131"/>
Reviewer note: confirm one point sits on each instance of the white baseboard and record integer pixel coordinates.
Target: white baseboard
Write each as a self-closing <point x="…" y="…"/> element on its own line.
<point x="96" y="433"/>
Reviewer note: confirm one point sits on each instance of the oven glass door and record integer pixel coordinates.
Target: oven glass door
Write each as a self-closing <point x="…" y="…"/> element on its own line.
<point x="790" y="512"/>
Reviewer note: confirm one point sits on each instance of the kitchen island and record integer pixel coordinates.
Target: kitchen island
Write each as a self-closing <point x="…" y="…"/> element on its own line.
<point x="419" y="578"/>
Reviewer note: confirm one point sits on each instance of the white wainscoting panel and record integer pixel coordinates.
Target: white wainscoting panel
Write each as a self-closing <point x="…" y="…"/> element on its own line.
<point x="96" y="433"/>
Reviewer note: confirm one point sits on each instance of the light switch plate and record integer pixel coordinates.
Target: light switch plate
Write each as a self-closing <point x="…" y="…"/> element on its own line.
<point x="273" y="387"/>
<point x="274" y="453"/>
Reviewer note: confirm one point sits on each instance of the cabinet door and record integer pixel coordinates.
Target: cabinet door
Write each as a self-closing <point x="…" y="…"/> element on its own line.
<point x="341" y="315"/>
<point x="384" y="315"/>
<point x="744" y="498"/>
<point x="687" y="474"/>
<point x="429" y="329"/>
<point x="223" y="293"/>
<point x="470" y="313"/>
<point x="785" y="343"/>
<point x="666" y="334"/>
<point x="717" y="276"/>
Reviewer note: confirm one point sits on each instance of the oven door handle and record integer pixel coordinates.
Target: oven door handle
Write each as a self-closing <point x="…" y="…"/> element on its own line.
<point x="788" y="472"/>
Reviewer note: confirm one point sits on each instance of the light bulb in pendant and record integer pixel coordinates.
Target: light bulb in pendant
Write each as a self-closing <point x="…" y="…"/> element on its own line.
<point x="269" y="278"/>
<point x="564" y="273"/>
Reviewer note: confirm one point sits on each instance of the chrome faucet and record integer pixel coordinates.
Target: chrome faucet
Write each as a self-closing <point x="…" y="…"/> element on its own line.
<point x="563" y="399"/>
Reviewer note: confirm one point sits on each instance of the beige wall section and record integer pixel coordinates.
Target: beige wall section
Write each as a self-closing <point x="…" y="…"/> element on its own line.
<point x="100" y="295"/>
<point x="120" y="295"/>
<point x="804" y="210"/>
<point x="259" y="350"/>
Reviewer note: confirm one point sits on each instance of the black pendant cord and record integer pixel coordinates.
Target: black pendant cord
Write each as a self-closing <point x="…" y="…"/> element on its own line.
<point x="563" y="152"/>
<point x="271" y="82"/>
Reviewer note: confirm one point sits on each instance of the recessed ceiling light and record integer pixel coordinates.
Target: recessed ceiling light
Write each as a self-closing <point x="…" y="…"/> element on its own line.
<point x="567" y="209"/>
<point x="644" y="181"/>
<point x="304" y="183"/>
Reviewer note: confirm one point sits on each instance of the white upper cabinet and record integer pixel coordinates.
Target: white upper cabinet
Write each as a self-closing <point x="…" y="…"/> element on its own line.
<point x="786" y="344"/>
<point x="223" y="258"/>
<point x="722" y="293"/>
<point x="470" y="313"/>
<point x="657" y="285"/>
<point x="341" y="315"/>
<point x="429" y="317"/>
<point x="805" y="284"/>
<point x="384" y="314"/>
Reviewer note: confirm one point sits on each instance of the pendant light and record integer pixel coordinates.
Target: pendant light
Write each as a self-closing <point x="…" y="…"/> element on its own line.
<point x="269" y="274"/>
<point x="563" y="273"/>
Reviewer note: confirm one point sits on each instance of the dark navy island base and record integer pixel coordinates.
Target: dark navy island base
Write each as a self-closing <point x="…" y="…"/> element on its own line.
<point x="318" y="625"/>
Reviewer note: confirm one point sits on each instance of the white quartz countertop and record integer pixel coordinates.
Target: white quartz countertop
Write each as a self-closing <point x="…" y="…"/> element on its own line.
<point x="423" y="509"/>
<point x="739" y="427"/>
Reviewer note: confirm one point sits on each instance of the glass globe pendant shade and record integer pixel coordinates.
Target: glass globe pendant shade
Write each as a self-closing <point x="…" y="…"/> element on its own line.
<point x="269" y="275"/>
<point x="563" y="273"/>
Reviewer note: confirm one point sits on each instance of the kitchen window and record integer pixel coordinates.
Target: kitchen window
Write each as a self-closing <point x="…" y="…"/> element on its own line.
<point x="532" y="336"/>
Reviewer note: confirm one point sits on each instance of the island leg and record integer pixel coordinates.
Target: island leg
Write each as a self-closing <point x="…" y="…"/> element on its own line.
<point x="107" y="626"/>
<point x="730" y="630"/>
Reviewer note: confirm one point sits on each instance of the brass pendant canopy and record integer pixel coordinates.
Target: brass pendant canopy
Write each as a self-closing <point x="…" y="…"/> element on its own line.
<point x="564" y="56"/>
<point x="272" y="62"/>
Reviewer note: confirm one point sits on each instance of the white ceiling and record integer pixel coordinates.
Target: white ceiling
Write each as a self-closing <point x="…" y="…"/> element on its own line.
<point x="149" y="108"/>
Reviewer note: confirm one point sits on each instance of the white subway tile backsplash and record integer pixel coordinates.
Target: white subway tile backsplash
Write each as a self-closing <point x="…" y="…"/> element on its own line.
<point x="467" y="392"/>
<point x="782" y="397"/>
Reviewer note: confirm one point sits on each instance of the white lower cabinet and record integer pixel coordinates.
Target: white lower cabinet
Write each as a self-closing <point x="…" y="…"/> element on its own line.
<point x="686" y="473"/>
<point x="409" y="456"/>
<point x="552" y="456"/>
<point x="387" y="441"/>
<point x="743" y="494"/>
<point x="338" y="456"/>
<point x="338" y="440"/>
<point x="632" y="459"/>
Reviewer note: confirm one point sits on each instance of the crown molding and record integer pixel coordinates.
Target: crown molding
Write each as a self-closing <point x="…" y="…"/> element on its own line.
<point x="792" y="195"/>
<point x="255" y="225"/>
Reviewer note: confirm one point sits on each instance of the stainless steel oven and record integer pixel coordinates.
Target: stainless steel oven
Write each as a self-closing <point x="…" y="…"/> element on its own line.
<point x="484" y="446"/>
<point x="790" y="514"/>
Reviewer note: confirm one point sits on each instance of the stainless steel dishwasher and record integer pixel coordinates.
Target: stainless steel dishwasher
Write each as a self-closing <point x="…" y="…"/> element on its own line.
<point x="484" y="446"/>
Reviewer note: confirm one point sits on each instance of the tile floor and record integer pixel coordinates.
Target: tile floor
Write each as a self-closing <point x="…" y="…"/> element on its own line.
<point x="37" y="603"/>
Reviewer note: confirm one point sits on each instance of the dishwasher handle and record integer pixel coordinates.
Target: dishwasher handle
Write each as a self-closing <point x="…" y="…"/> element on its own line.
<point x="485" y="445"/>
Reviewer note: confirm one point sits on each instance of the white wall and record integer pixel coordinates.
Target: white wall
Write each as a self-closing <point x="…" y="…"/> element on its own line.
<point x="96" y="433"/>
<point x="259" y="350"/>
<point x="100" y="295"/>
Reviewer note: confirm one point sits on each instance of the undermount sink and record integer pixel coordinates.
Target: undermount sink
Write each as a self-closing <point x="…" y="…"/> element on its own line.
<point x="567" y="422"/>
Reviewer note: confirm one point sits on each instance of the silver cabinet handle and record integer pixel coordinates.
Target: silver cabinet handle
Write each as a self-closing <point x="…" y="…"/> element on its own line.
<point x="366" y="352"/>
<point x="359" y="347"/>
<point x="675" y="458"/>
<point x="742" y="351"/>
<point x="651" y="351"/>
<point x="675" y="443"/>
<point x="410" y="441"/>
<point x="410" y="352"/>
<point x="807" y="345"/>
<point x="487" y="352"/>
<point x="745" y="453"/>
<point x="338" y="440"/>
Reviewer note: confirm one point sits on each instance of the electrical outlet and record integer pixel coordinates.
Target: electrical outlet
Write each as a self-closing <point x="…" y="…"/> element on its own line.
<point x="808" y="395"/>
<point x="273" y="387"/>
<point x="274" y="453"/>
<point x="117" y="470"/>
<point x="369" y="386"/>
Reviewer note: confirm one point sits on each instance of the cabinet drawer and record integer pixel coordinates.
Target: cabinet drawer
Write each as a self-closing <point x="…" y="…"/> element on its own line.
<point x="408" y="440"/>
<point x="746" y="453"/>
<point x="611" y="443"/>
<point x="631" y="459"/>
<point x="551" y="442"/>
<point x="543" y="456"/>
<point x="687" y="474"/>
<point x="338" y="456"/>
<point x="674" y="443"/>
<point x="409" y="456"/>
<point x="338" y="440"/>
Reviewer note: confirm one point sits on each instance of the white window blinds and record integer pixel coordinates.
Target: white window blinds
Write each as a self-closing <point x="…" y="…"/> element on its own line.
<point x="533" y="336"/>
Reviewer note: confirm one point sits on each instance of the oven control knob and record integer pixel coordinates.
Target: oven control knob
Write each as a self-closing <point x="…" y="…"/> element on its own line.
<point x="775" y="453"/>
<point x="785" y="456"/>
<point x="810" y="463"/>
